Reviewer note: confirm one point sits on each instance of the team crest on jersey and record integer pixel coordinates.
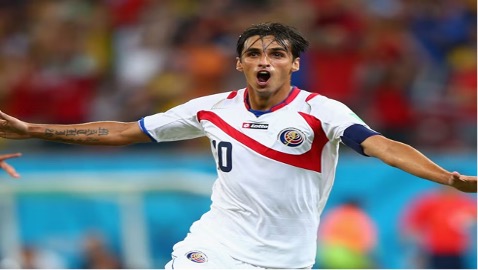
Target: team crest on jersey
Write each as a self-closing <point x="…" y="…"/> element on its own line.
<point x="196" y="256"/>
<point x="291" y="137"/>
<point x="255" y="126"/>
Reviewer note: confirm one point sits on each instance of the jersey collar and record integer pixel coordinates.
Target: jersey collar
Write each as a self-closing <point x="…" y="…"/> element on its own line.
<point x="292" y="95"/>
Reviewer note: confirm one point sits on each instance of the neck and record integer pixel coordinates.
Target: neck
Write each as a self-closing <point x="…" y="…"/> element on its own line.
<point x="264" y="101"/>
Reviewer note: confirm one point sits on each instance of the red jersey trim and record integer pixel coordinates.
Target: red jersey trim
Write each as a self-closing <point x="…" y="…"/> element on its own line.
<point x="320" y="139"/>
<point x="311" y="96"/>
<point x="232" y="94"/>
<point x="311" y="160"/>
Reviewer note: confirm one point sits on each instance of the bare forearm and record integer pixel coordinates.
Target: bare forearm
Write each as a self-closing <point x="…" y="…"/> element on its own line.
<point x="94" y="133"/>
<point x="408" y="159"/>
<point x="412" y="161"/>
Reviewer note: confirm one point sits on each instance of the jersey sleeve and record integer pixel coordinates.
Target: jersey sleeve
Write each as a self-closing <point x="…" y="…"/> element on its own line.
<point x="178" y="123"/>
<point x="340" y="122"/>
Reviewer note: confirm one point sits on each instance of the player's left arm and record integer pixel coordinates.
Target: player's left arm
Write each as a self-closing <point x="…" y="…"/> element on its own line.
<point x="409" y="159"/>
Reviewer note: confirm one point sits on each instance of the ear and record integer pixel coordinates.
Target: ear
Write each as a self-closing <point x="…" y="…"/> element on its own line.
<point x="296" y="64"/>
<point x="239" y="64"/>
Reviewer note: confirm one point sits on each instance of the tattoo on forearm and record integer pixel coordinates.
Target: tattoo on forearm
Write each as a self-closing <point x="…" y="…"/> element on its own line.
<point x="53" y="133"/>
<point x="78" y="141"/>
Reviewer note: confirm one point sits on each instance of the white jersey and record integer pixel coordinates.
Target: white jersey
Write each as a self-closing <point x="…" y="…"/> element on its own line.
<point x="275" y="171"/>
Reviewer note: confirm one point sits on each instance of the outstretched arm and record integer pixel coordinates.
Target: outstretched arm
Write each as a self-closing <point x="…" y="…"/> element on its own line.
<point x="408" y="159"/>
<point x="93" y="133"/>
<point x="8" y="168"/>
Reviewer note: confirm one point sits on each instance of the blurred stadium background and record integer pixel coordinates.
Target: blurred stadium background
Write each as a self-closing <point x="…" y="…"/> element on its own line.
<point x="407" y="67"/>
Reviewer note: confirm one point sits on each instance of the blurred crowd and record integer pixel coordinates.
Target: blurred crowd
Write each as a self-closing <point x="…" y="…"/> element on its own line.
<point x="93" y="253"/>
<point x="407" y="67"/>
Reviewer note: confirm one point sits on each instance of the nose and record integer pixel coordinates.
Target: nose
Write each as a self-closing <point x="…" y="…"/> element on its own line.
<point x="264" y="61"/>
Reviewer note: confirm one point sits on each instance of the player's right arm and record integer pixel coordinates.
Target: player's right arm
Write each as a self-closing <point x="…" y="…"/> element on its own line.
<point x="93" y="133"/>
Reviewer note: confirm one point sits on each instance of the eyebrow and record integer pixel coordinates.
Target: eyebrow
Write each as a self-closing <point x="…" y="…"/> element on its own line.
<point x="275" y="49"/>
<point x="278" y="49"/>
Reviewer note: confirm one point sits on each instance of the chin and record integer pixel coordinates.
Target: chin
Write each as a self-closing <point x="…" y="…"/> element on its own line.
<point x="263" y="89"/>
<point x="264" y="92"/>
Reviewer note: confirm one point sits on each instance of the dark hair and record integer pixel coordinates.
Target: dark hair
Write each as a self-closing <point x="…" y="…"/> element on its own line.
<point x="282" y="34"/>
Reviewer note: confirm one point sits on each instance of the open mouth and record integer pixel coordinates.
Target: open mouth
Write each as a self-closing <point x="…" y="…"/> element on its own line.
<point x="263" y="76"/>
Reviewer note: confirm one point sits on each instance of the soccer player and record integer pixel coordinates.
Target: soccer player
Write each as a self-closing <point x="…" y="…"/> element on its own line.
<point x="7" y="167"/>
<point x="276" y="148"/>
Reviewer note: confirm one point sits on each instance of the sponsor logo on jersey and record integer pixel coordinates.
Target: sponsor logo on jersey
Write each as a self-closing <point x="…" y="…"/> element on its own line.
<point x="255" y="126"/>
<point x="196" y="256"/>
<point x="291" y="137"/>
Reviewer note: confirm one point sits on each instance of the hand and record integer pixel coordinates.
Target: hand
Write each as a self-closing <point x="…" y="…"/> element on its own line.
<point x="5" y="166"/>
<point x="12" y="128"/>
<point x="463" y="182"/>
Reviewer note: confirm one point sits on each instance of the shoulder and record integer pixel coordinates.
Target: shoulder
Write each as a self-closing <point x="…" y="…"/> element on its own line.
<point x="213" y="100"/>
<point x="214" y="97"/>
<point x="316" y="100"/>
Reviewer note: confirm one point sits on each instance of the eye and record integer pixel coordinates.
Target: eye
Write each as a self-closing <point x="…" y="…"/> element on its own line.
<point x="278" y="54"/>
<point x="252" y="54"/>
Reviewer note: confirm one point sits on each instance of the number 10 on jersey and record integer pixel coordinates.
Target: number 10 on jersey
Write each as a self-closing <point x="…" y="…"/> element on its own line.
<point x="224" y="155"/>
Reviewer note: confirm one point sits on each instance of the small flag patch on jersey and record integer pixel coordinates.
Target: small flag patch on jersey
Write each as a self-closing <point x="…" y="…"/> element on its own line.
<point x="196" y="256"/>
<point x="291" y="137"/>
<point x="255" y="126"/>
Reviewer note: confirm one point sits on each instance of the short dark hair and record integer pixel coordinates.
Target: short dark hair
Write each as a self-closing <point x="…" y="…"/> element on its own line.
<point x="282" y="34"/>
